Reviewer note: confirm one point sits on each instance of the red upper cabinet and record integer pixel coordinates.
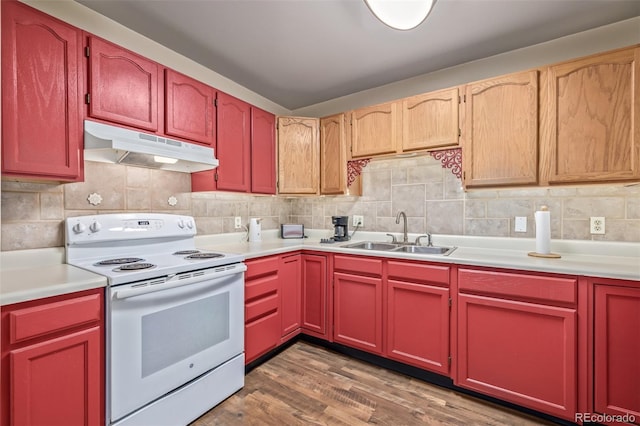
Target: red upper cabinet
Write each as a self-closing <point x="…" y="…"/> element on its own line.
<point x="41" y="95"/>
<point x="617" y="348"/>
<point x="123" y="86"/>
<point x="263" y="152"/>
<point x="189" y="108"/>
<point x="233" y="144"/>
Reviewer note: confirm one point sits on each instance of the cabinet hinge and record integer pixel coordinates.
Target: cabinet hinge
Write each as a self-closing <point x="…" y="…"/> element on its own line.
<point x="215" y="103"/>
<point x="87" y="51"/>
<point x="215" y="176"/>
<point x="449" y="360"/>
<point x="87" y="98"/>
<point x="464" y="98"/>
<point x="459" y="132"/>
<point x="459" y="99"/>
<point x="450" y="302"/>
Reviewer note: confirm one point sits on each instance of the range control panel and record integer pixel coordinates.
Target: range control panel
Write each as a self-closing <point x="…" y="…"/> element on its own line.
<point x="127" y="226"/>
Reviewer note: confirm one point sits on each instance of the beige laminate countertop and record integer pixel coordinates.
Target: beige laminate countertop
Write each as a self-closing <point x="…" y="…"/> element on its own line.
<point x="583" y="258"/>
<point x="33" y="274"/>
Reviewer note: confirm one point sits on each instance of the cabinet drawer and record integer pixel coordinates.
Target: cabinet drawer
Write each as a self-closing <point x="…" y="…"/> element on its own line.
<point x="40" y="320"/>
<point x="419" y="272"/>
<point x="358" y="264"/>
<point x="541" y="288"/>
<point x="260" y="287"/>
<point x="261" y="336"/>
<point x="260" y="307"/>
<point x="262" y="266"/>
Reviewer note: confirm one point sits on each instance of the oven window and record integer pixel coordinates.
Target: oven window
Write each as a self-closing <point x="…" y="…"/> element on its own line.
<point x="174" y="334"/>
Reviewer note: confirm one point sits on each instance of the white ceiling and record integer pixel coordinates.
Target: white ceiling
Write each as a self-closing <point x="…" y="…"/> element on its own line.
<point x="301" y="52"/>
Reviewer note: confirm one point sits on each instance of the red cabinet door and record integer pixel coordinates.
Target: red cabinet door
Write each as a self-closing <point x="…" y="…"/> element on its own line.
<point x="263" y="152"/>
<point x="189" y="108"/>
<point x="261" y="336"/>
<point x="520" y="352"/>
<point x="290" y="280"/>
<point x="418" y="325"/>
<point x="233" y="144"/>
<point x="357" y="310"/>
<point x="56" y="382"/>
<point x="123" y="86"/>
<point x="314" y="294"/>
<point x="41" y="95"/>
<point x="617" y="351"/>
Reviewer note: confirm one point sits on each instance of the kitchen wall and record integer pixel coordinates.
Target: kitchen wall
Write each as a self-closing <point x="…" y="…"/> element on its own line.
<point x="32" y="214"/>
<point x="434" y="202"/>
<point x="608" y="37"/>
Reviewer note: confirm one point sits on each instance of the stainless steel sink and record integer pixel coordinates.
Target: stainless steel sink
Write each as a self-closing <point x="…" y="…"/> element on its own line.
<point x="372" y="245"/>
<point x="444" y="251"/>
<point x="403" y="248"/>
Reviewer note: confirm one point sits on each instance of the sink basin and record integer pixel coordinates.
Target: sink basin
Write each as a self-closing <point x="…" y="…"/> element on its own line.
<point x="371" y="245"/>
<point x="402" y="248"/>
<point x="445" y="251"/>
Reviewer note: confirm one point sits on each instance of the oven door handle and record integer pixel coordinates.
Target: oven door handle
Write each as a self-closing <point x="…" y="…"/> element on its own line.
<point x="126" y="293"/>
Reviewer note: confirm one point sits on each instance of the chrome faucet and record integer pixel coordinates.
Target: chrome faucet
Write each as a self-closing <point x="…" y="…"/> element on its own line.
<point x="405" y="237"/>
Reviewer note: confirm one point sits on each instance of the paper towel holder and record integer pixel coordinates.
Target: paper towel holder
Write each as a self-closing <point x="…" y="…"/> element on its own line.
<point x="549" y="255"/>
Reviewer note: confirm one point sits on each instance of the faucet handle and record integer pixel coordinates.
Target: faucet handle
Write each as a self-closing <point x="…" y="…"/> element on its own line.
<point x="393" y="238"/>
<point x="419" y="238"/>
<point x="428" y="237"/>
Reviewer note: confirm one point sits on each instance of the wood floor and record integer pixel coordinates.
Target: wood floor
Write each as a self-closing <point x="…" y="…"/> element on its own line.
<point x="310" y="385"/>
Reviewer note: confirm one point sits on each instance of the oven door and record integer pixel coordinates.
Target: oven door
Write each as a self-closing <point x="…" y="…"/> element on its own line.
<point x="164" y="333"/>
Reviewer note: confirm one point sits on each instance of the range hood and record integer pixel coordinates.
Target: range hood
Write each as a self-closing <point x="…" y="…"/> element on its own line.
<point x="111" y="144"/>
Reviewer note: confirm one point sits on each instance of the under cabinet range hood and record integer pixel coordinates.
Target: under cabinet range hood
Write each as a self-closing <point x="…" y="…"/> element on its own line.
<point x="111" y="144"/>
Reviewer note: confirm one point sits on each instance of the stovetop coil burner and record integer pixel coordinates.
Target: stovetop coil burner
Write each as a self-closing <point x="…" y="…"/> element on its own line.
<point x="183" y="252"/>
<point x="204" y="256"/>
<point x="118" y="261"/>
<point x="134" y="267"/>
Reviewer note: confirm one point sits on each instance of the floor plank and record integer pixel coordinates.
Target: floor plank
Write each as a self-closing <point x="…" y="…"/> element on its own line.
<point x="310" y="385"/>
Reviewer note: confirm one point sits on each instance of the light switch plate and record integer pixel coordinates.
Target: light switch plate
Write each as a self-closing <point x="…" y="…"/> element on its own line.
<point x="521" y="224"/>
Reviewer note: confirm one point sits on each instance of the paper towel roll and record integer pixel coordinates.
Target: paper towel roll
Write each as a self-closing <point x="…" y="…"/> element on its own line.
<point x="543" y="231"/>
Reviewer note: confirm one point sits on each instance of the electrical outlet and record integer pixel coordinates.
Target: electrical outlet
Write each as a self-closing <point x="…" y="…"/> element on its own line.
<point x="521" y="224"/>
<point x="358" y="220"/>
<point x="597" y="224"/>
<point x="238" y="222"/>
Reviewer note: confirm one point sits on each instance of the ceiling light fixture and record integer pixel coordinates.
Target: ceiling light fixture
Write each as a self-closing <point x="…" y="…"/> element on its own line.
<point x="401" y="14"/>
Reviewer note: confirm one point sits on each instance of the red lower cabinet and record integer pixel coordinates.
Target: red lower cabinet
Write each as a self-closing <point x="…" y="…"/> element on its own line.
<point x="262" y="328"/>
<point x="518" y="350"/>
<point x="314" y="295"/>
<point x="357" y="310"/>
<point x="617" y="350"/>
<point x="290" y="281"/>
<point x="52" y="361"/>
<point x="417" y="322"/>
